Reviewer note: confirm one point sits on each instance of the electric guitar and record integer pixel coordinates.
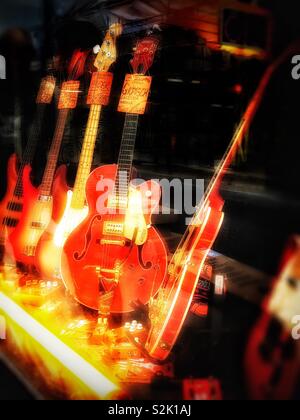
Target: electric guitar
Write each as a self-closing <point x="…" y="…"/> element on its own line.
<point x="272" y="361"/>
<point x="48" y="201"/>
<point x="169" y="310"/>
<point x="12" y="204"/>
<point x="48" y="254"/>
<point x="115" y="258"/>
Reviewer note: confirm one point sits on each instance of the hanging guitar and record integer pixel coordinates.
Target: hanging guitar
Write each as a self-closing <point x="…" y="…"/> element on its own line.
<point x="169" y="311"/>
<point x="48" y="201"/>
<point x="272" y="361"/>
<point x="116" y="256"/>
<point x="11" y="205"/>
<point x="48" y="254"/>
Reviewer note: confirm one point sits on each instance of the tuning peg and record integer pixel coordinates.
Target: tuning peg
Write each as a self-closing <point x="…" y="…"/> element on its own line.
<point x="96" y="49"/>
<point x="155" y="28"/>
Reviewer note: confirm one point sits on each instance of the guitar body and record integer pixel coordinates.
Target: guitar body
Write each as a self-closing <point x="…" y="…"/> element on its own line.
<point x="272" y="361"/>
<point x="96" y="264"/>
<point x="172" y="306"/>
<point x="12" y="177"/>
<point x="36" y="217"/>
<point x="11" y="208"/>
<point x="49" y="250"/>
<point x="7" y="216"/>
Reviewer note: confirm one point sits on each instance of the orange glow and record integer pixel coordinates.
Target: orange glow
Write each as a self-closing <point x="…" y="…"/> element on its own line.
<point x="30" y="336"/>
<point x="245" y="52"/>
<point x="69" y="95"/>
<point x="238" y="89"/>
<point x="100" y="88"/>
<point x="135" y="94"/>
<point x="72" y="352"/>
<point x="46" y="91"/>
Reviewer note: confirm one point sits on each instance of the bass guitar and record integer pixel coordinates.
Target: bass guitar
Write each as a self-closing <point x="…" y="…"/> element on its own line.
<point x="115" y="258"/>
<point x="48" y="201"/>
<point x="48" y="254"/>
<point x="11" y="206"/>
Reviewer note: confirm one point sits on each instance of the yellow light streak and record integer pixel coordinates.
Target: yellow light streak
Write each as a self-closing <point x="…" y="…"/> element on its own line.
<point x="94" y="380"/>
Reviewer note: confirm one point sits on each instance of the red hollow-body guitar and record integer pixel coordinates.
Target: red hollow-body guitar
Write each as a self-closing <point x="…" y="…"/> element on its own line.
<point x="95" y="264"/>
<point x="47" y="203"/>
<point x="11" y="206"/>
<point x="115" y="259"/>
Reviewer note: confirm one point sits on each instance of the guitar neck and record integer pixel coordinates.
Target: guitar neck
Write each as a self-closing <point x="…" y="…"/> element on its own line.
<point x="30" y="150"/>
<point x="86" y="158"/>
<point x="126" y="156"/>
<point x="46" y="186"/>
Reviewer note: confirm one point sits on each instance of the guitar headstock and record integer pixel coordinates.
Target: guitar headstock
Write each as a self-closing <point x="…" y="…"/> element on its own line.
<point x="77" y="64"/>
<point x="108" y="51"/>
<point x="144" y="55"/>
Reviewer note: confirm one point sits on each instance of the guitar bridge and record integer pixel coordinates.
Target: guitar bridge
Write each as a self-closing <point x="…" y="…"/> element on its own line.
<point x="115" y="272"/>
<point x="114" y="243"/>
<point x="30" y="251"/>
<point x="38" y="225"/>
<point x="45" y="199"/>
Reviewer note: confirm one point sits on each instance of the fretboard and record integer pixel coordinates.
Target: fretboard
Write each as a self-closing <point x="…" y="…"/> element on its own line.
<point x="47" y="183"/>
<point x="126" y="155"/>
<point x="86" y="158"/>
<point x="30" y="149"/>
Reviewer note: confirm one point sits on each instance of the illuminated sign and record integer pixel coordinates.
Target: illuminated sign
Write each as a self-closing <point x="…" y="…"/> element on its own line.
<point x="69" y="95"/>
<point x="46" y="91"/>
<point x="135" y="94"/>
<point x="99" y="92"/>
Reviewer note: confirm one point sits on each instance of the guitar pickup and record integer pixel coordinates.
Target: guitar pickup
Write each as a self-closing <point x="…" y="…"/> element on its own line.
<point x="115" y="202"/>
<point x="15" y="207"/>
<point x="10" y="222"/>
<point x="45" y="199"/>
<point x="115" y="229"/>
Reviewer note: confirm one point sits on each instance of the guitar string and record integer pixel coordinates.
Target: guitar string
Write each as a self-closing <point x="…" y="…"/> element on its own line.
<point x="125" y="162"/>
<point x="12" y="206"/>
<point x="87" y="154"/>
<point x="37" y="128"/>
<point x="125" y="165"/>
<point x="46" y="186"/>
